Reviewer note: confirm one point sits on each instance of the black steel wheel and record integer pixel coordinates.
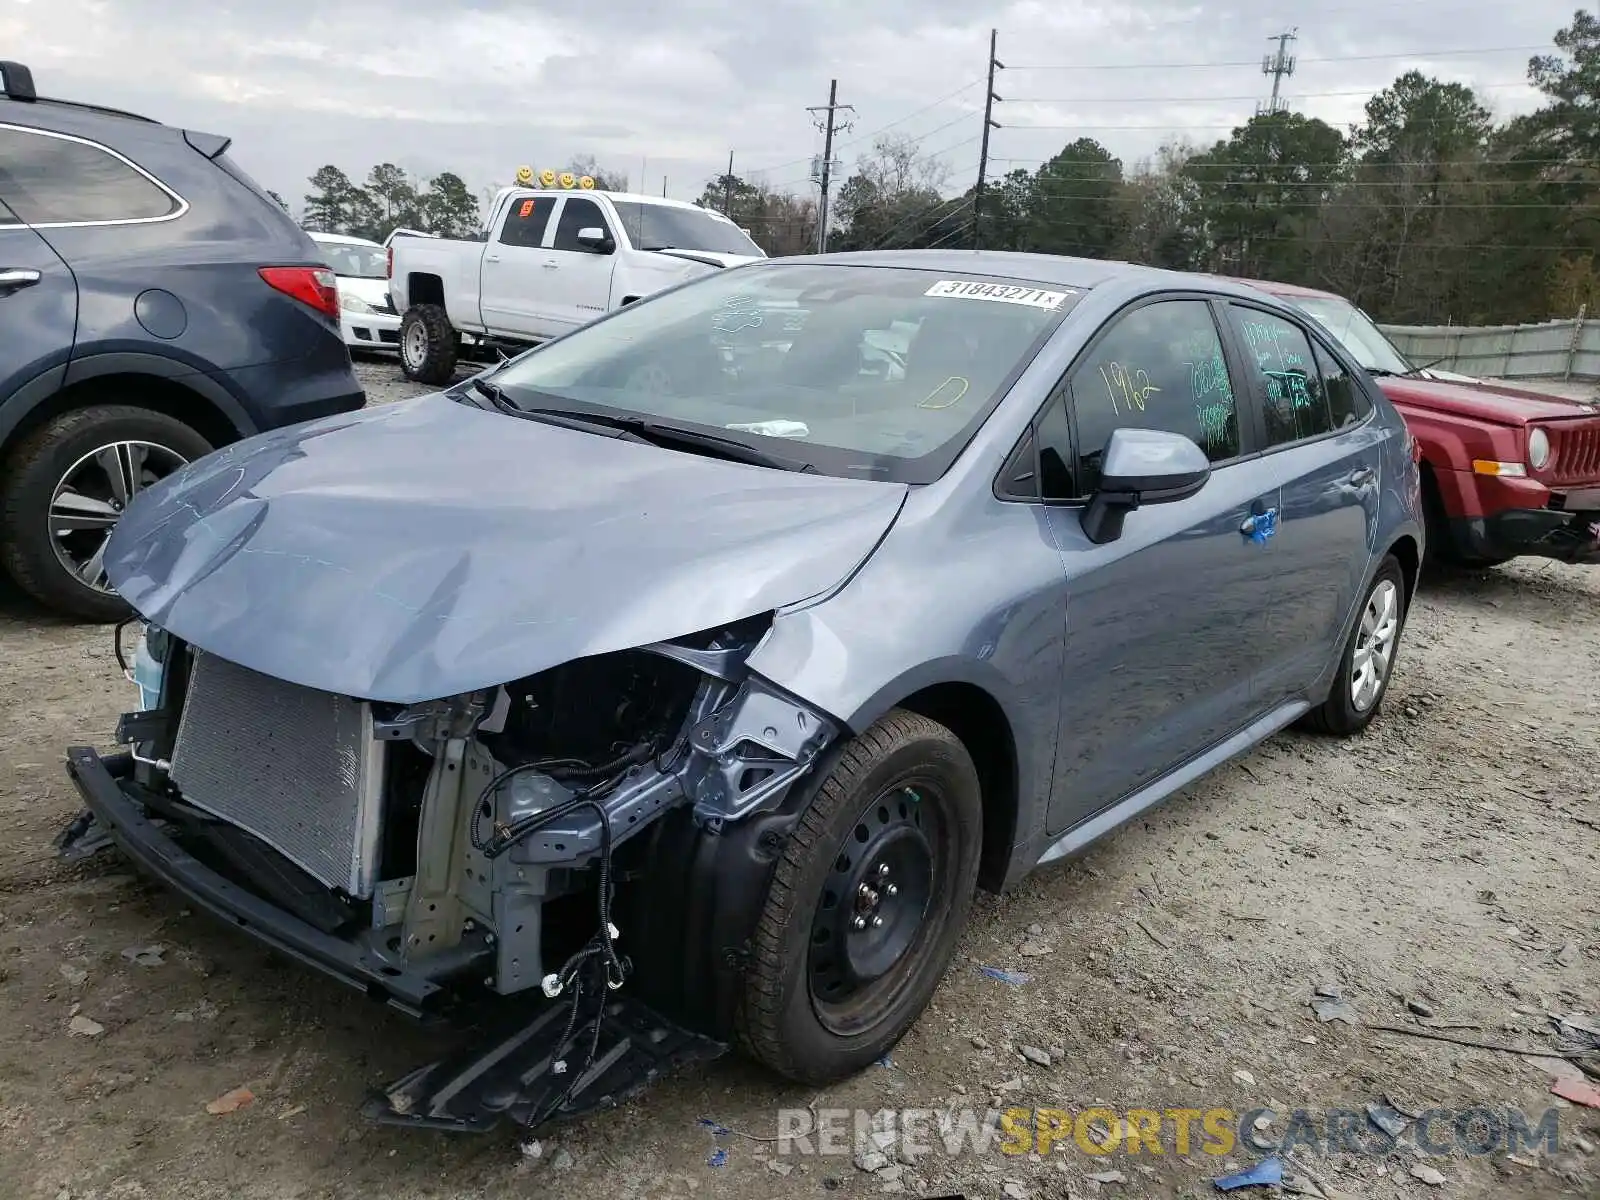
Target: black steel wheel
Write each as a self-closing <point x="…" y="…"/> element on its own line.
<point x="873" y="907"/>
<point x="866" y="903"/>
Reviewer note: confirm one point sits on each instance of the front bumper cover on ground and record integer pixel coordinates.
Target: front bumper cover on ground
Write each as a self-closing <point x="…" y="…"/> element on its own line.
<point x="1549" y="533"/>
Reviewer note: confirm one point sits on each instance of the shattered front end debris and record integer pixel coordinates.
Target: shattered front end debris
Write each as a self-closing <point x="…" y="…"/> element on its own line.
<point x="519" y="857"/>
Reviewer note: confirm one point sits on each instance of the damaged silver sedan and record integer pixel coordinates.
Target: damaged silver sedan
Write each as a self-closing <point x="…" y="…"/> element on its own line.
<point x="674" y="685"/>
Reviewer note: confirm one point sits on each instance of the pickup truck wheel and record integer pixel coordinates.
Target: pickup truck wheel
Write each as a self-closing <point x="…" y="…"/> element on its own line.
<point x="866" y="903"/>
<point x="428" y="345"/>
<point x="64" y="489"/>
<point x="1368" y="662"/>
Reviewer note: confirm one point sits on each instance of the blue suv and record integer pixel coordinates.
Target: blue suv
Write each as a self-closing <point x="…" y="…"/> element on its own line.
<point x="155" y="303"/>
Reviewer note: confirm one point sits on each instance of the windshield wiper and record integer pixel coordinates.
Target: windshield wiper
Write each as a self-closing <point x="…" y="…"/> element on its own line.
<point x="493" y="393"/>
<point x="639" y="429"/>
<point x="1427" y="366"/>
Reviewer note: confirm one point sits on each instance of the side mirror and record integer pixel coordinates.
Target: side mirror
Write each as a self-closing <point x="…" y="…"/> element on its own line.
<point x="596" y="239"/>
<point x="1142" y="466"/>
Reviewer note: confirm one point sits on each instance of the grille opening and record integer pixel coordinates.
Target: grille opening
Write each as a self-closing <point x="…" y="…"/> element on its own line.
<point x="591" y="709"/>
<point x="405" y="778"/>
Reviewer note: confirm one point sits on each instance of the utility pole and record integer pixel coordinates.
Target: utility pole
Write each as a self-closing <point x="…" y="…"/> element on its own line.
<point x="830" y="127"/>
<point x="983" y="151"/>
<point x="1279" y="66"/>
<point x="727" y="187"/>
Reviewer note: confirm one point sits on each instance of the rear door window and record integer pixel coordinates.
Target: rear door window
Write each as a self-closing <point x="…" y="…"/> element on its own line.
<point x="1280" y="356"/>
<point x="525" y="221"/>
<point x="49" y="179"/>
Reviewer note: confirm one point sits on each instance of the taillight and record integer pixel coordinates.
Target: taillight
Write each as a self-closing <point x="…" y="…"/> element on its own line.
<point x="314" y="287"/>
<point x="388" y="263"/>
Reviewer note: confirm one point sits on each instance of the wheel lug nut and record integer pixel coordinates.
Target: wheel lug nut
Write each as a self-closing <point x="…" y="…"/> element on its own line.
<point x="860" y="922"/>
<point x="877" y="922"/>
<point x="883" y="870"/>
<point x="892" y="890"/>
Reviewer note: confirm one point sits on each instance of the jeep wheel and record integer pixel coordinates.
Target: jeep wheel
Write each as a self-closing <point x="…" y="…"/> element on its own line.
<point x="65" y="487"/>
<point x="1368" y="662"/>
<point x="866" y="903"/>
<point x="428" y="345"/>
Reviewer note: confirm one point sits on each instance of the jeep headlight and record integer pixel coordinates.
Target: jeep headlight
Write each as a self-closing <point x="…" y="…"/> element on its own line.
<point x="1538" y="449"/>
<point x="353" y="304"/>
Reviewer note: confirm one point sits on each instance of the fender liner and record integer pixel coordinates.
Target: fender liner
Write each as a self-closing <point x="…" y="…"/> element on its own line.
<point x="29" y="396"/>
<point x="202" y="383"/>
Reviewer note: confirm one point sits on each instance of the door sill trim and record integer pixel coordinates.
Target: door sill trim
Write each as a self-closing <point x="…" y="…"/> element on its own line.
<point x="1091" y="830"/>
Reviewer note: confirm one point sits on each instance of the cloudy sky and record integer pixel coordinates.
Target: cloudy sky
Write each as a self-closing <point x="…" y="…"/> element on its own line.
<point x="666" y="89"/>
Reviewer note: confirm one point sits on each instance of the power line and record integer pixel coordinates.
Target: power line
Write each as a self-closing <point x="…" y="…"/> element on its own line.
<point x="966" y="87"/>
<point x="794" y="162"/>
<point x="1334" y="164"/>
<point x="1180" y="126"/>
<point x="983" y="154"/>
<point x="1340" y="58"/>
<point x="1214" y="99"/>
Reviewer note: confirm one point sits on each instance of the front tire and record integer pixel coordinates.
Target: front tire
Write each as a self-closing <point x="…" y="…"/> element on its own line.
<point x="429" y="346"/>
<point x="1367" y="665"/>
<point x="866" y="903"/>
<point x="64" y="489"/>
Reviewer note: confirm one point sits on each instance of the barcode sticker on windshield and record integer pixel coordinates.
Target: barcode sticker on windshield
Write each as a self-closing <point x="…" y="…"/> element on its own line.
<point x="1004" y="293"/>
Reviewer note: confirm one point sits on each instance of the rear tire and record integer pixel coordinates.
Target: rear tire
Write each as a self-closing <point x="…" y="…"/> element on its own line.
<point x="902" y="810"/>
<point x="429" y="346"/>
<point x="1348" y="708"/>
<point x="69" y="448"/>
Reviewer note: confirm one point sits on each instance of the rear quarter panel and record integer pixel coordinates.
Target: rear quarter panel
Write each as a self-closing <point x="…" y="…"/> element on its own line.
<point x="457" y="264"/>
<point x="217" y="317"/>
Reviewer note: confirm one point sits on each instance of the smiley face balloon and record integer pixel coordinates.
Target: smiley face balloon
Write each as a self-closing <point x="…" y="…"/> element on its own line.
<point x="524" y="176"/>
<point x="568" y="179"/>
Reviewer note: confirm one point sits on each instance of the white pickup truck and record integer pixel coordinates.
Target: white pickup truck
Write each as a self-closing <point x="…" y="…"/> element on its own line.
<point x="546" y="262"/>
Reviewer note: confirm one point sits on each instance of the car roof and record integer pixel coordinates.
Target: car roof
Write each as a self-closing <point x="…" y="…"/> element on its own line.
<point x="342" y="239"/>
<point x="1273" y="288"/>
<point x="639" y="198"/>
<point x="1055" y="270"/>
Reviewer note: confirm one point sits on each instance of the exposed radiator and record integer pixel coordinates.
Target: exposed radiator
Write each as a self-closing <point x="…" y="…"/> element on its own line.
<point x="298" y="768"/>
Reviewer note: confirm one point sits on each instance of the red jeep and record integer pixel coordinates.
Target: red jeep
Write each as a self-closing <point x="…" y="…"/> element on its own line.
<point x="1505" y="472"/>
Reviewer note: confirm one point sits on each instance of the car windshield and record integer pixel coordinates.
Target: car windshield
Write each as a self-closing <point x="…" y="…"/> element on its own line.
<point x="355" y="262"/>
<point x="664" y="227"/>
<point x="869" y="372"/>
<point x="1357" y="333"/>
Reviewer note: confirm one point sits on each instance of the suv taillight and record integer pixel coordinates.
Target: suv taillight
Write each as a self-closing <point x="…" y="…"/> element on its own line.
<point x="388" y="263"/>
<point x="314" y="287"/>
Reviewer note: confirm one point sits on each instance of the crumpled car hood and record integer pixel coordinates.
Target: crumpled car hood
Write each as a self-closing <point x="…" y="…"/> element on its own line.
<point x="428" y="548"/>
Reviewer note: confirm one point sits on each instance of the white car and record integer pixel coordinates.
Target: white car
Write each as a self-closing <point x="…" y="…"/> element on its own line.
<point x="546" y="262"/>
<point x="366" y="317"/>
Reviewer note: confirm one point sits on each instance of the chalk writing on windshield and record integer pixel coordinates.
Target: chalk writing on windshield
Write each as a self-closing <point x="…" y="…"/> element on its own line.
<point x="1128" y="389"/>
<point x="737" y="314"/>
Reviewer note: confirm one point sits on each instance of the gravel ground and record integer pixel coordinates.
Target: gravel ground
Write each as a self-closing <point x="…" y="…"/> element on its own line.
<point x="1449" y="859"/>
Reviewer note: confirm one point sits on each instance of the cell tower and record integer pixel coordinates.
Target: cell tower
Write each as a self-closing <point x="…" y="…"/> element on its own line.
<point x="1279" y="66"/>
